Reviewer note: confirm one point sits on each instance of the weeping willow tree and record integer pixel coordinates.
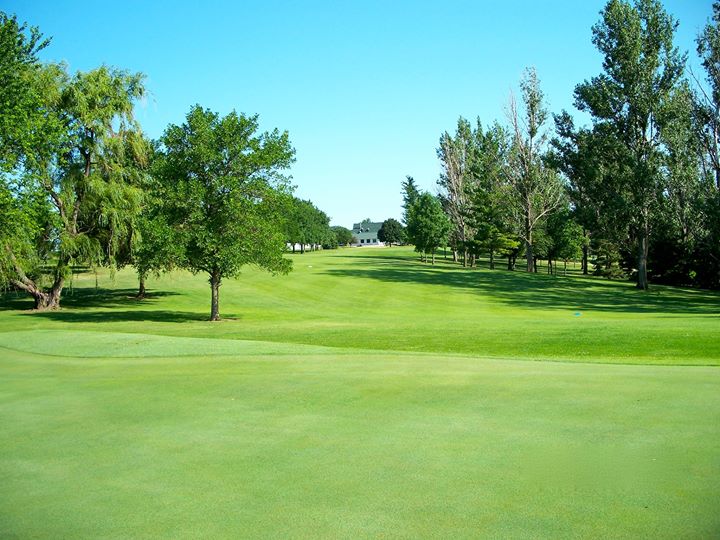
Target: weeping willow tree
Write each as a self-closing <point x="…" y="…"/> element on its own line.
<point x="74" y="197"/>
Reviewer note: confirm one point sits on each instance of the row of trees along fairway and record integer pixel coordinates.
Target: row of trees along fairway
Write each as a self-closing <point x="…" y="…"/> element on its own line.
<point x="638" y="191"/>
<point x="81" y="185"/>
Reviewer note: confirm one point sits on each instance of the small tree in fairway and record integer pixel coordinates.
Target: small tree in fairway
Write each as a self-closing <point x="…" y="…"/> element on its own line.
<point x="391" y="231"/>
<point x="224" y="194"/>
<point x="428" y="225"/>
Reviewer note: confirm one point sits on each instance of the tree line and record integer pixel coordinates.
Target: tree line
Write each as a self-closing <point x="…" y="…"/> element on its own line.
<point x="636" y="193"/>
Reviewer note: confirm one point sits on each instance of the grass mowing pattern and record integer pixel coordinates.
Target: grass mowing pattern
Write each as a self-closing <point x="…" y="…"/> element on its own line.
<point x="127" y="419"/>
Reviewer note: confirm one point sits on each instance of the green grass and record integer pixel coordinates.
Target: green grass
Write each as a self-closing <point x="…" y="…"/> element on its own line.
<point x="364" y="395"/>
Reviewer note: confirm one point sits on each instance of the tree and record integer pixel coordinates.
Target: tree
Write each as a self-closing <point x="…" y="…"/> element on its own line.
<point x="306" y="225"/>
<point x="537" y="190"/>
<point x="707" y="120"/>
<point x="456" y="154"/>
<point x="565" y="238"/>
<point x="410" y="195"/>
<point x="428" y="225"/>
<point x="489" y="197"/>
<point x="344" y="236"/>
<point x="81" y="179"/>
<point x="225" y="194"/>
<point x="391" y="231"/>
<point x="642" y="67"/>
<point x="23" y="88"/>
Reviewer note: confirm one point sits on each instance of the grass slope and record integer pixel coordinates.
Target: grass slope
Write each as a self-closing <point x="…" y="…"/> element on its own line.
<point x="356" y="398"/>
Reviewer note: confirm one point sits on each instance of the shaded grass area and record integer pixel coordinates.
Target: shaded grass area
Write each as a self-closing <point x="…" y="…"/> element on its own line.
<point x="355" y="445"/>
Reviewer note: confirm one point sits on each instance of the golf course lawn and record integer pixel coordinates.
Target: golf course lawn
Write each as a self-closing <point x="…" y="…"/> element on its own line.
<point x="365" y="395"/>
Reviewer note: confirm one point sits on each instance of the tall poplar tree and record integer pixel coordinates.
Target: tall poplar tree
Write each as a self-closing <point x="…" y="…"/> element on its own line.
<point x="641" y="69"/>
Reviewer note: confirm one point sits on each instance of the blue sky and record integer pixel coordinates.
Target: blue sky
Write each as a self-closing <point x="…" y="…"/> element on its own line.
<point x="364" y="88"/>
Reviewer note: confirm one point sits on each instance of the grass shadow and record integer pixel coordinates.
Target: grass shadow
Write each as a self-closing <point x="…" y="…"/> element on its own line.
<point x="117" y="316"/>
<point x="538" y="291"/>
<point x="84" y="298"/>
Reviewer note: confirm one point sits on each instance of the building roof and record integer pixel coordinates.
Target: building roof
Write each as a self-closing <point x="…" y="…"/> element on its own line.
<point x="372" y="227"/>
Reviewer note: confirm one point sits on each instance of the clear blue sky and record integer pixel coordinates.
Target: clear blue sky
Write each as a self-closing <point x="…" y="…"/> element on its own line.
<point x="365" y="88"/>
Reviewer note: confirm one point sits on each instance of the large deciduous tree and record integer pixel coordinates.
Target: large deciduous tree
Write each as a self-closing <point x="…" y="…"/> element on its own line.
<point x="225" y="194"/>
<point x="707" y="114"/>
<point x="74" y="175"/>
<point x="641" y="70"/>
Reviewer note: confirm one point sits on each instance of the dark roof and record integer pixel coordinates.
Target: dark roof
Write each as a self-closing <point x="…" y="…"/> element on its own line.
<point x="367" y="227"/>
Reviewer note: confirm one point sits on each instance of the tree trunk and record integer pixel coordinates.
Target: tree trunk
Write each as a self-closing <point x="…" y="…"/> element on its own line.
<point x="215" y="303"/>
<point x="492" y="260"/>
<point x="48" y="300"/>
<point x="584" y="264"/>
<point x="433" y="256"/>
<point x="529" y="256"/>
<point x="141" y="287"/>
<point x="642" y="280"/>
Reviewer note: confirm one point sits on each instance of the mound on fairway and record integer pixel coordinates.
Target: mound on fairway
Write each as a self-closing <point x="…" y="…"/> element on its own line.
<point x="365" y="395"/>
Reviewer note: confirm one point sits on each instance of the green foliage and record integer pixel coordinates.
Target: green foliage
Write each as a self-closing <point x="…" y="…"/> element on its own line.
<point x="642" y="69"/>
<point x="307" y="225"/>
<point x="343" y="235"/>
<point x="224" y="193"/>
<point x="428" y="225"/>
<point x="410" y="193"/>
<point x="391" y="232"/>
<point x="80" y="157"/>
<point x="22" y="90"/>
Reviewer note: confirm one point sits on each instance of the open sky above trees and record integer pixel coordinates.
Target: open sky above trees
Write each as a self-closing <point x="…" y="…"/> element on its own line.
<point x="365" y="90"/>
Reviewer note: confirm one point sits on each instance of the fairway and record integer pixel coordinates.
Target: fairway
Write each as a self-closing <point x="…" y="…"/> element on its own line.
<point x="364" y="395"/>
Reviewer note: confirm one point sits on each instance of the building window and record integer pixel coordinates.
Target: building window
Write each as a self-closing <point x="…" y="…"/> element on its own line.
<point x="374" y="240"/>
<point x="362" y="241"/>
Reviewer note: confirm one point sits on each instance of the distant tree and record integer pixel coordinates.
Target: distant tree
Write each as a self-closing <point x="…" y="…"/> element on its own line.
<point x="410" y="195"/>
<point x="536" y="188"/>
<point x="428" y="225"/>
<point x="642" y="68"/>
<point x="489" y="201"/>
<point x="225" y="194"/>
<point x="343" y="236"/>
<point x="565" y="239"/>
<point x="391" y="231"/>
<point x="457" y="154"/>
<point x="306" y="225"/>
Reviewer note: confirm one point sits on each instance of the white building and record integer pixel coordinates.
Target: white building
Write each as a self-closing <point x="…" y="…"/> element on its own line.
<point x="366" y="234"/>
